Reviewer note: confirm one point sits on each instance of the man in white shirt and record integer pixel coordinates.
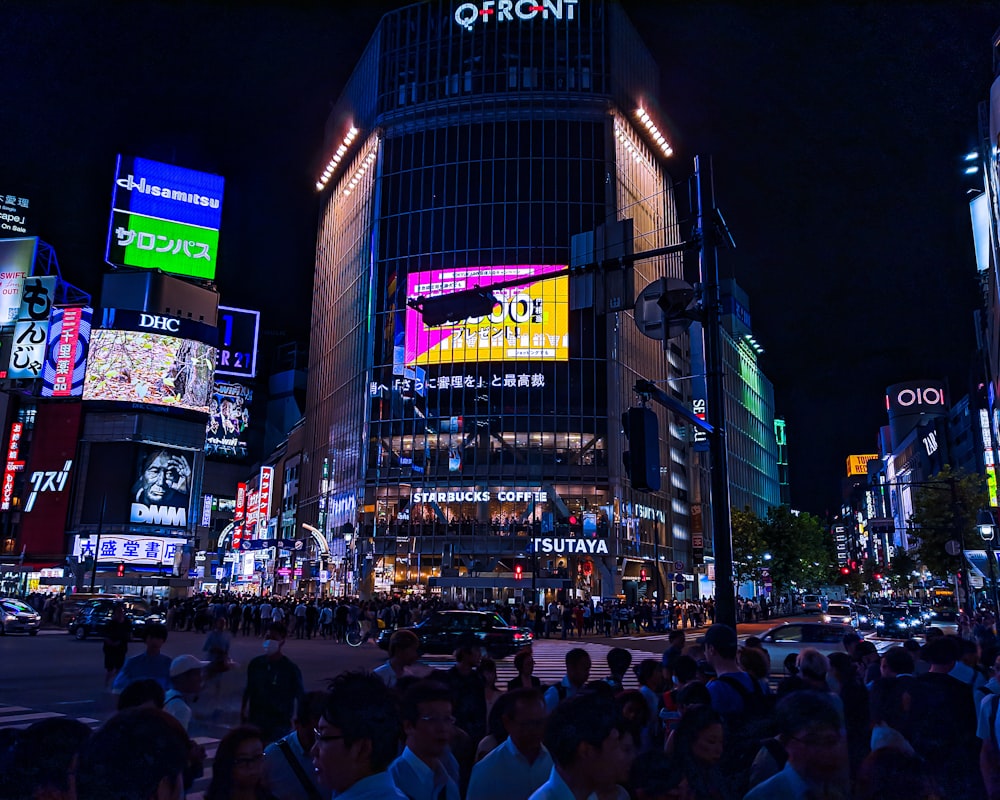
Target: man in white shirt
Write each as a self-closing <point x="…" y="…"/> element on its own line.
<point x="516" y="768"/>
<point x="577" y="674"/>
<point x="582" y="737"/>
<point x="287" y="772"/>
<point x="357" y="739"/>
<point x="404" y="650"/>
<point x="428" y="725"/>
<point x="187" y="678"/>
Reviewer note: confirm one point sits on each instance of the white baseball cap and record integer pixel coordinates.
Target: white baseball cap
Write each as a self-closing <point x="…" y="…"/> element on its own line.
<point x="185" y="663"/>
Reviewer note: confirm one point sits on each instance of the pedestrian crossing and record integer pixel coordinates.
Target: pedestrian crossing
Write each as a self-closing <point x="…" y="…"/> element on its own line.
<point x="550" y="661"/>
<point x="20" y="717"/>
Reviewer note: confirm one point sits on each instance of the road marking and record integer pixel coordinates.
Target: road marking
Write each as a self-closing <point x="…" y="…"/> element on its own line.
<point x="27" y="718"/>
<point x="12" y="709"/>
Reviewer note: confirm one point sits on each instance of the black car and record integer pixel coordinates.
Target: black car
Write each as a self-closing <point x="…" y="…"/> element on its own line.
<point x="443" y="631"/>
<point x="93" y="616"/>
<point x="899" y="622"/>
<point x="863" y="618"/>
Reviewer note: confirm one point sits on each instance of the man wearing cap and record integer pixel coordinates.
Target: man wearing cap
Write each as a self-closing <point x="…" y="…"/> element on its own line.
<point x="720" y="652"/>
<point x="186" y="680"/>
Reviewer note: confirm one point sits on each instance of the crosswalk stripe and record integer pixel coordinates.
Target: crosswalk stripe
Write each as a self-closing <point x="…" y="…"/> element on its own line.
<point x="5" y="721"/>
<point x="12" y="709"/>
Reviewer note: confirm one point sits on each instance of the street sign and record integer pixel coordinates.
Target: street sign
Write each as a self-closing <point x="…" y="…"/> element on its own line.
<point x="697" y="541"/>
<point x="953" y="548"/>
<point x="679" y="587"/>
<point x="678" y="566"/>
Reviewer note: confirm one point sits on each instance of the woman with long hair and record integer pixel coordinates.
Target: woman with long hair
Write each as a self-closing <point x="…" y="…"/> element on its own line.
<point x="698" y="743"/>
<point x="236" y="771"/>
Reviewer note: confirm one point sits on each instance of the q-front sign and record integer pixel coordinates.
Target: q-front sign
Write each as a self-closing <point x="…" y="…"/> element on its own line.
<point x="468" y="15"/>
<point x="597" y="547"/>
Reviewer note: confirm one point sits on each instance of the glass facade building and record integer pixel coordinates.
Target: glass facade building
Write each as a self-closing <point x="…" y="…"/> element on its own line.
<point x="484" y="458"/>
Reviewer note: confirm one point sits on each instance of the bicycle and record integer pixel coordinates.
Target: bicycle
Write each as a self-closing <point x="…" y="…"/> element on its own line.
<point x="354" y="635"/>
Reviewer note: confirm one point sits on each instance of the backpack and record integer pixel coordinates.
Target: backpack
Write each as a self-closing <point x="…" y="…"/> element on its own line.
<point x="746" y="731"/>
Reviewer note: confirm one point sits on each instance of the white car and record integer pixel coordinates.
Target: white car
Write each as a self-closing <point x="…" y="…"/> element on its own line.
<point x="812" y="604"/>
<point x="18" y="617"/>
<point x="793" y="637"/>
<point x="839" y="613"/>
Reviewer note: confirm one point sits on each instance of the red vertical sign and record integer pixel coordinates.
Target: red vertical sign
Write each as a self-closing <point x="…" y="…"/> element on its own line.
<point x="239" y="515"/>
<point x="62" y="383"/>
<point x="264" y="501"/>
<point x="14" y="464"/>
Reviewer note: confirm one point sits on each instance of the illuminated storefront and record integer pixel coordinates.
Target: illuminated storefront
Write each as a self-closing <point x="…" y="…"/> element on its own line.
<point x="464" y="155"/>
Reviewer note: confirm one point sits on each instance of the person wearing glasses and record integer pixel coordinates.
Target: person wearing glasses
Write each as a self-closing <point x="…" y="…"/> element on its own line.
<point x="236" y="771"/>
<point x="428" y="725"/>
<point x="357" y="738"/>
<point x="812" y="728"/>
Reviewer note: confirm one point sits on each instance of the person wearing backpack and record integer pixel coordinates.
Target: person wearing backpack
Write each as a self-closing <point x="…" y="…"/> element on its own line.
<point x="745" y="706"/>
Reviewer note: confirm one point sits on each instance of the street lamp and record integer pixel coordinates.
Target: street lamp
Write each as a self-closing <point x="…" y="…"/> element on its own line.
<point x="987" y="527"/>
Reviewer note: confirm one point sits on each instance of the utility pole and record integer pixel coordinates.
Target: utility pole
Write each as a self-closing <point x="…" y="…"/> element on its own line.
<point x="707" y="215"/>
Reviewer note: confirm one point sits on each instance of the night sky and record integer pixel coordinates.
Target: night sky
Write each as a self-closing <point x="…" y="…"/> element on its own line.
<point x="837" y="133"/>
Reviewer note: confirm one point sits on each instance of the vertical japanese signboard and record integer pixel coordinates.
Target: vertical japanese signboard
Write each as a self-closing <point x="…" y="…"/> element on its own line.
<point x="31" y="333"/>
<point x="66" y="353"/>
<point x="239" y="515"/>
<point x="264" y="499"/>
<point x="13" y="465"/>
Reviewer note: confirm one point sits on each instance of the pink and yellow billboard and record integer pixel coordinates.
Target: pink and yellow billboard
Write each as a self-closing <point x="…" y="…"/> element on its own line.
<point x="529" y="322"/>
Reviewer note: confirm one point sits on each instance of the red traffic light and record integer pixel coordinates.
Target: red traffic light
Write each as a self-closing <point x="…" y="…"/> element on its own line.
<point x="845" y="571"/>
<point x="642" y="574"/>
<point x="572" y="520"/>
<point x="121" y="570"/>
<point x="878" y="576"/>
<point x="518" y="570"/>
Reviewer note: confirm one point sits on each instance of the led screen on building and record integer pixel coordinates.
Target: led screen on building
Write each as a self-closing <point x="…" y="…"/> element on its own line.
<point x="161" y="492"/>
<point x="133" y="367"/>
<point x="239" y="329"/>
<point x="17" y="259"/>
<point x="165" y="217"/>
<point x="228" y="420"/>
<point x="530" y="321"/>
<point x="66" y="352"/>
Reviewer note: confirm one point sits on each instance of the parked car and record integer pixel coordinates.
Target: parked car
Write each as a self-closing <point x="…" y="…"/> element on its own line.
<point x="899" y="622"/>
<point x="792" y="637"/>
<point x="18" y="617"/>
<point x="93" y="616"/>
<point x="443" y="631"/>
<point x="71" y="605"/>
<point x="812" y="604"/>
<point x="863" y="618"/>
<point x="838" y="612"/>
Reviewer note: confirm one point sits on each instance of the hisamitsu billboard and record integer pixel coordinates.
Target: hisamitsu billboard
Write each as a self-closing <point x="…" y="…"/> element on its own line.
<point x="165" y="217"/>
<point x="529" y="321"/>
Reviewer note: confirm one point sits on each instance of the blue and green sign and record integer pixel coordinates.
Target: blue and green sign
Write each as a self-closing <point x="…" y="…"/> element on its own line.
<point x="165" y="217"/>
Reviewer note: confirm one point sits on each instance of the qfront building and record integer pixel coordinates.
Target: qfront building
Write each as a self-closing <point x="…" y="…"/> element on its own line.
<point x="483" y="458"/>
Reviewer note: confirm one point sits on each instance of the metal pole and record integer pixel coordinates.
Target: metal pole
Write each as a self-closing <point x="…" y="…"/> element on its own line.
<point x="725" y="600"/>
<point x="97" y="549"/>
<point x="966" y="577"/>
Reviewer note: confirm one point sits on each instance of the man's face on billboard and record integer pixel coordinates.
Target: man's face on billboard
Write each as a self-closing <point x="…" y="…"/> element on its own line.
<point x="164" y="474"/>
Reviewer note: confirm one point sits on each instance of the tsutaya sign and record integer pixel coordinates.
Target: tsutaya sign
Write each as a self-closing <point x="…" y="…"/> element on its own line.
<point x="468" y="14"/>
<point x="569" y="546"/>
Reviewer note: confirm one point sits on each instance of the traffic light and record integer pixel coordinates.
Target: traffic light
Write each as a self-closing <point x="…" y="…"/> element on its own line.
<point x="642" y="459"/>
<point x="121" y="570"/>
<point x="877" y="576"/>
<point x="518" y="572"/>
<point x="642" y="574"/>
<point x="845" y="570"/>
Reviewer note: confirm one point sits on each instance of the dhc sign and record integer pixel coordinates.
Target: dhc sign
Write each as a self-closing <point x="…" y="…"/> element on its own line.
<point x="468" y="14"/>
<point x="597" y="547"/>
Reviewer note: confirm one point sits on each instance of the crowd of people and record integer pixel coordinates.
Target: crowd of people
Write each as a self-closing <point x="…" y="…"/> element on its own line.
<point x="708" y="722"/>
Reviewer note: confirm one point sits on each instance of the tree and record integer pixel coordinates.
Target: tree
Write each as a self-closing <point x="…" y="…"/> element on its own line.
<point x="944" y="509"/>
<point x="801" y="552"/>
<point x="900" y="573"/>
<point x="749" y="545"/>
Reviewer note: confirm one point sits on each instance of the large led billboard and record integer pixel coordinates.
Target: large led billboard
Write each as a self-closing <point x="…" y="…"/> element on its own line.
<point x="134" y="367"/>
<point x="165" y="217"/>
<point x="529" y="322"/>
<point x="161" y="492"/>
<point x="17" y="259"/>
<point x="228" y="420"/>
<point x="239" y="329"/>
